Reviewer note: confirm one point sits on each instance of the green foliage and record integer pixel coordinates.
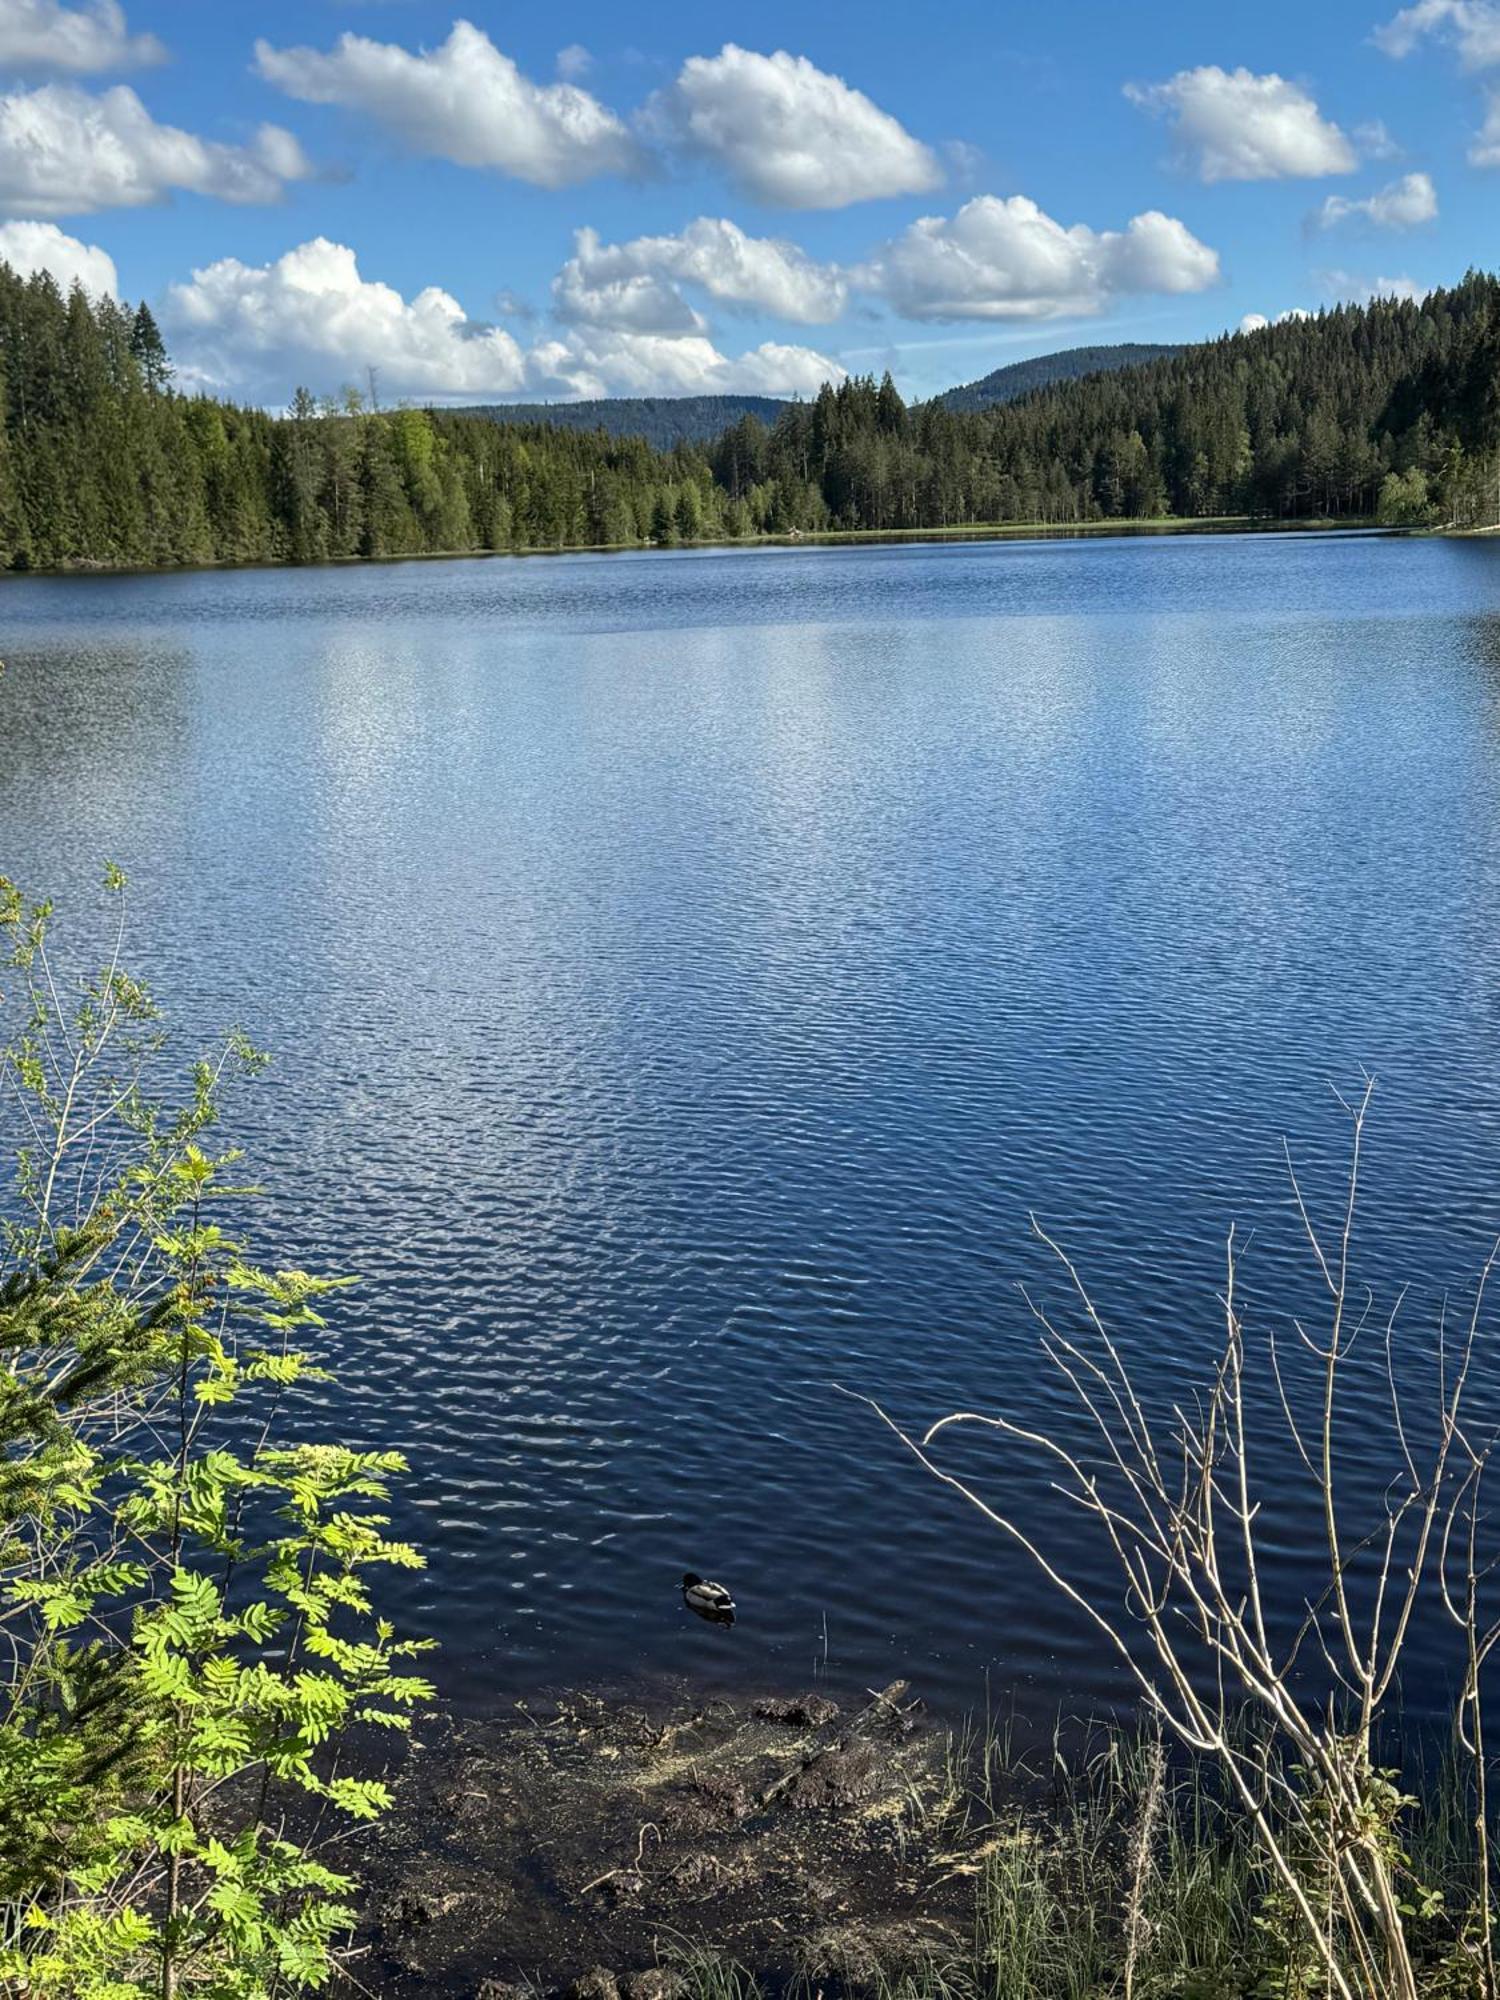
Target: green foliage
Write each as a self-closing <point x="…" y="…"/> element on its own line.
<point x="1405" y="500"/>
<point x="660" y="421"/>
<point x="1020" y="378"/>
<point x="1296" y="422"/>
<point x="101" y="462"/>
<point x="186" y="1597"/>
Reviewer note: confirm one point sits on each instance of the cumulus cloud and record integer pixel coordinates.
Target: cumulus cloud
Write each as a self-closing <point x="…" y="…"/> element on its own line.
<point x="1485" y="150"/>
<point x="43" y="34"/>
<point x="1237" y="126"/>
<point x="636" y="283"/>
<point x="603" y="361"/>
<point x="1257" y="322"/>
<point x="310" y="316"/>
<point x="573" y="62"/>
<point x="1403" y="205"/>
<point x="1006" y="259"/>
<point x="29" y="247"/>
<point x="465" y="101"/>
<point x="790" y="134"/>
<point x="264" y="324"/>
<point x="1473" y="26"/>
<point x="1356" y="291"/>
<point x="66" y="152"/>
<point x="599" y="288"/>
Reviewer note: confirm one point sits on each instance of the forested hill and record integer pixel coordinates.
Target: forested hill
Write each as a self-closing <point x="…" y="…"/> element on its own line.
<point x="1019" y="378"/>
<point x="664" y="421"/>
<point x="1389" y="411"/>
<point x="661" y="420"/>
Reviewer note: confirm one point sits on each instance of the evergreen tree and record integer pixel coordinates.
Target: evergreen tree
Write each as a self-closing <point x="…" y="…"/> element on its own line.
<point x="102" y="461"/>
<point x="149" y="349"/>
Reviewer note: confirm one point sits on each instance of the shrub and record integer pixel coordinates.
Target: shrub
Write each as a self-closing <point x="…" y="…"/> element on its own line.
<point x="184" y="1585"/>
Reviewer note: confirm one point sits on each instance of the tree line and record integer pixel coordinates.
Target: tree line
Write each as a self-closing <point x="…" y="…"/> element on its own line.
<point x="1019" y="378"/>
<point x="1389" y="411"/>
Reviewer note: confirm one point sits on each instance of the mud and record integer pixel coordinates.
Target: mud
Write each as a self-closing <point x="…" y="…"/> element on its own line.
<point x="589" y="1849"/>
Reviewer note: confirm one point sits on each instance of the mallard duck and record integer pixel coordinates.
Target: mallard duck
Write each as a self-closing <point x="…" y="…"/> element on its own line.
<point x="710" y="1600"/>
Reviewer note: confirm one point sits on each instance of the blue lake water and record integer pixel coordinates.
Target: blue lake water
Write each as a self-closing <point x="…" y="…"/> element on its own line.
<point x="686" y="972"/>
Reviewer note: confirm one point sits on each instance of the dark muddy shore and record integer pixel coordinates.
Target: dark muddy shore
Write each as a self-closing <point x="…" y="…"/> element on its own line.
<point x="587" y="1847"/>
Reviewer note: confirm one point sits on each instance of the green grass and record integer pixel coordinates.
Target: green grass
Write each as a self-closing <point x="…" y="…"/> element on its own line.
<point x="1054" y="1840"/>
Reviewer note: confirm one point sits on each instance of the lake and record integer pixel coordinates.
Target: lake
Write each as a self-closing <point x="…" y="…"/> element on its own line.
<point x="685" y="972"/>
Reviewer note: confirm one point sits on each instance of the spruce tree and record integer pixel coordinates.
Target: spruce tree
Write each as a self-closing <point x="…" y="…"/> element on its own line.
<point x="150" y="350"/>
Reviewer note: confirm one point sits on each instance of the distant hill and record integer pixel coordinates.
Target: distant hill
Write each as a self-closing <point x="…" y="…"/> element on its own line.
<point x="1019" y="378"/>
<point x="664" y="421"/>
<point x="1387" y="412"/>
<point x="661" y="420"/>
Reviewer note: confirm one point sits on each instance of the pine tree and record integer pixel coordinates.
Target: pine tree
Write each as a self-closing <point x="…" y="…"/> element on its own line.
<point x="150" y="350"/>
<point x="102" y="463"/>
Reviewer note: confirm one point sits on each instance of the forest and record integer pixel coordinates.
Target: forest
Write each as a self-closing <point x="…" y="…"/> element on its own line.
<point x="1018" y="378"/>
<point x="661" y="420"/>
<point x="1386" y="412"/>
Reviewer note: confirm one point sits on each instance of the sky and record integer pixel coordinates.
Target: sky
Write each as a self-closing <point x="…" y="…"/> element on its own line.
<point x="507" y="204"/>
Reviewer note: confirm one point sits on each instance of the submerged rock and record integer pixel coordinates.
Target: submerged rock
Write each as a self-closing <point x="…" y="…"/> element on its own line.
<point x="657" y="1982"/>
<point x="837" y="1779"/>
<point x="598" y="1984"/>
<point x="722" y="1791"/>
<point x="530" y="1855"/>
<point x="801" y="1711"/>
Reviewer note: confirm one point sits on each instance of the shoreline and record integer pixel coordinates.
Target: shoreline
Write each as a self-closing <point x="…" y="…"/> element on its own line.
<point x="578" y="1846"/>
<point x="977" y="531"/>
<point x="782" y="1847"/>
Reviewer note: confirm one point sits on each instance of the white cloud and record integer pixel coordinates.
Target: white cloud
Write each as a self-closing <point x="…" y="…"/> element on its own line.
<point x="263" y="327"/>
<point x="1473" y="26"/>
<point x="1356" y="291"/>
<point x="636" y="283"/>
<point x="1485" y="149"/>
<point x="1402" y="205"/>
<point x="1236" y="126"/>
<point x="597" y="288"/>
<point x="1374" y="140"/>
<point x="43" y="34"/>
<point x="65" y="152"/>
<point x="29" y="247"/>
<point x="1257" y="322"/>
<point x="256" y="330"/>
<point x="790" y="134"/>
<point x="1154" y="253"/>
<point x="573" y="62"/>
<point x="602" y="361"/>
<point x="465" y="102"/>
<point x="1006" y="259"/>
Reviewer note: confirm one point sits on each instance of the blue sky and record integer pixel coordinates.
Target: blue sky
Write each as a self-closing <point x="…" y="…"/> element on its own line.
<point x="311" y="192"/>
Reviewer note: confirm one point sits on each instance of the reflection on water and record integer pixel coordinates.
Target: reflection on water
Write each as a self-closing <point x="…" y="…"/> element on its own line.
<point x="686" y="973"/>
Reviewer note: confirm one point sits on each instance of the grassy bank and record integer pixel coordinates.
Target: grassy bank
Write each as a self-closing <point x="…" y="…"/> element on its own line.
<point x="782" y="1848"/>
<point x="1116" y="1870"/>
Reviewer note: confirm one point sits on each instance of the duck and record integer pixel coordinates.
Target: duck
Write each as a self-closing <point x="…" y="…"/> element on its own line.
<point x="710" y="1600"/>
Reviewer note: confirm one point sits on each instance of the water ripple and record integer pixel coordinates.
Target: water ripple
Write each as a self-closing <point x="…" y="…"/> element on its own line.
<point x="686" y="975"/>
